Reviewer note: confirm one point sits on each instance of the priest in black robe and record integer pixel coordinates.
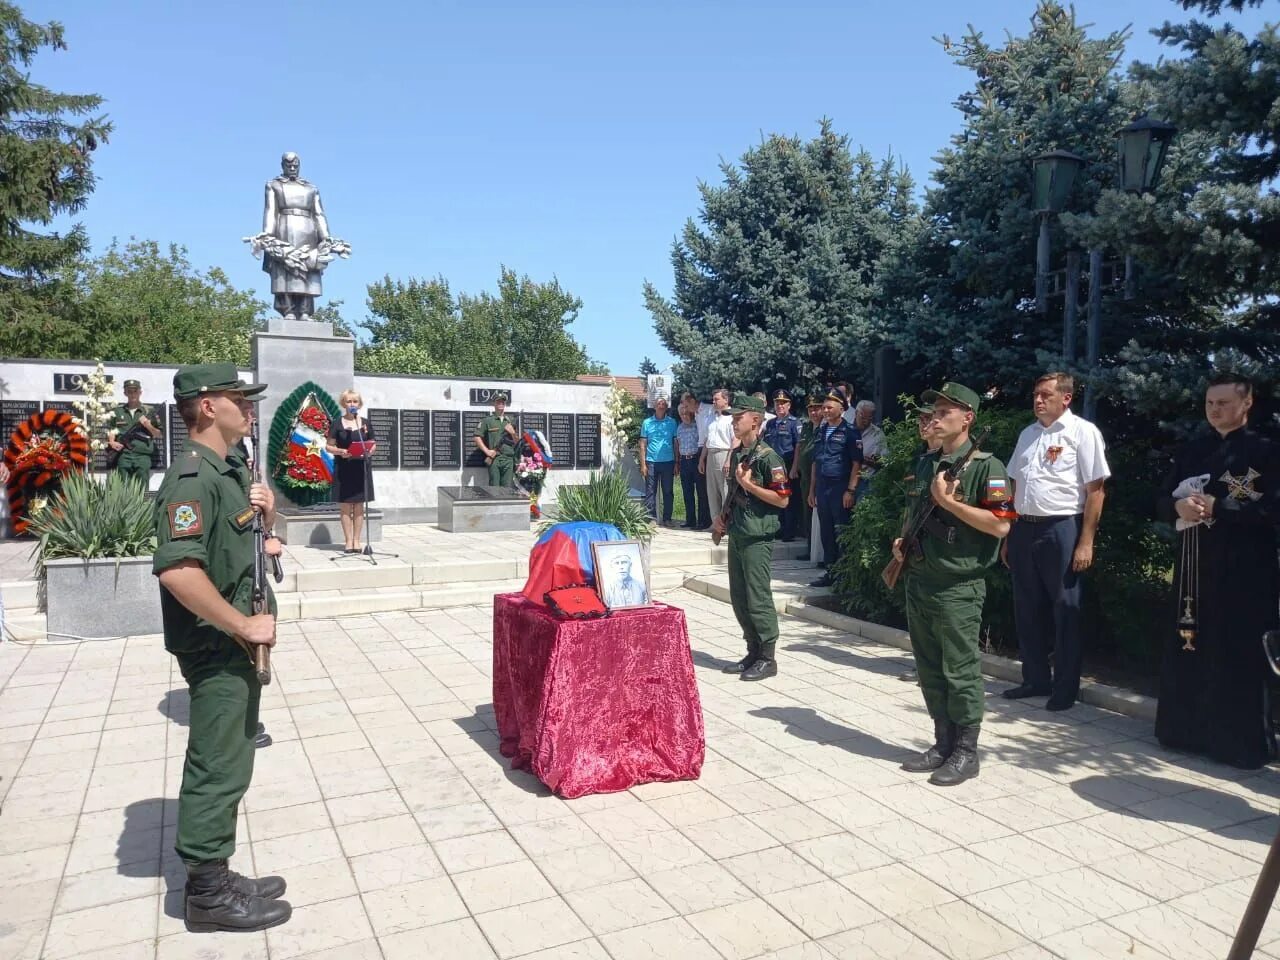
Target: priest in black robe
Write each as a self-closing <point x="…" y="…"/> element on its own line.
<point x="1215" y="681"/>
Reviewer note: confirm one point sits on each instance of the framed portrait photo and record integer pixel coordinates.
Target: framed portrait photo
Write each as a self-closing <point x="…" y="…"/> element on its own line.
<point x="622" y="579"/>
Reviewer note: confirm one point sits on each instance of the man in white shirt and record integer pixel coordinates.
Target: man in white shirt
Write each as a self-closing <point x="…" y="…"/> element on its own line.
<point x="874" y="444"/>
<point x="715" y="452"/>
<point x="1058" y="470"/>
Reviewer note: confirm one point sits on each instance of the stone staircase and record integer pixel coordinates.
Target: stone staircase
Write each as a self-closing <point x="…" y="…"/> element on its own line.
<point x="323" y="588"/>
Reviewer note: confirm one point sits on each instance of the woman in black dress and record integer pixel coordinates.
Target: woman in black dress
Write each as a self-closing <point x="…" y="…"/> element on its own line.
<point x="352" y="480"/>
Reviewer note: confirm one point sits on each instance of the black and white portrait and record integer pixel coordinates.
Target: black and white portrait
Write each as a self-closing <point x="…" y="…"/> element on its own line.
<point x="621" y="577"/>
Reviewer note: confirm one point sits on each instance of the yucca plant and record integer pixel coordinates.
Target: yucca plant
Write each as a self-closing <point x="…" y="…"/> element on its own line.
<point x="92" y="519"/>
<point x="604" y="498"/>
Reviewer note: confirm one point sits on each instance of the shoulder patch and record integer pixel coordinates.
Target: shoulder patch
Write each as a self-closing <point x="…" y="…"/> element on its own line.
<point x="778" y="474"/>
<point x="997" y="490"/>
<point x="185" y="519"/>
<point x="243" y="519"/>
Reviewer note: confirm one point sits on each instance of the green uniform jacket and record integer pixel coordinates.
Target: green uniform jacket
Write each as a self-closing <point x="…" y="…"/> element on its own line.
<point x="984" y="484"/>
<point x="495" y="437"/>
<point x="122" y="418"/>
<point x="751" y="516"/>
<point x="202" y="513"/>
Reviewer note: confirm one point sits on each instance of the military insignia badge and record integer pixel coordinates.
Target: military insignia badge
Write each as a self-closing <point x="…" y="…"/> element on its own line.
<point x="779" y="475"/>
<point x="243" y="519"/>
<point x="1052" y="454"/>
<point x="998" y="489"/>
<point x="185" y="519"/>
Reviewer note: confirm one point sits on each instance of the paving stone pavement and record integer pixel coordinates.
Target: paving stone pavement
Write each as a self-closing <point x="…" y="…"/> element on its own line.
<point x="403" y="834"/>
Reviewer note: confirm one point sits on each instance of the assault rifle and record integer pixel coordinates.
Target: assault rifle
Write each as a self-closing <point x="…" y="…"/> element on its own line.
<point x="261" y="652"/>
<point x="914" y="526"/>
<point x="135" y="432"/>
<point x="732" y="490"/>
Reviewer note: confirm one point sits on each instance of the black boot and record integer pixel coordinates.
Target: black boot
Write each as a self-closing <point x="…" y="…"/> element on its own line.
<point x="944" y="742"/>
<point x="963" y="762"/>
<point x="213" y="903"/>
<point x="741" y="666"/>
<point x="267" y="888"/>
<point x="762" y="669"/>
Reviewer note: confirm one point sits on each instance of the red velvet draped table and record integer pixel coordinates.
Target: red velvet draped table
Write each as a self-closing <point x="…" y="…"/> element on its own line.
<point x="596" y="706"/>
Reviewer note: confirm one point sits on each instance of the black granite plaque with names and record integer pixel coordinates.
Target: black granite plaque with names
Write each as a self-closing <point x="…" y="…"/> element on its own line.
<point x="177" y="433"/>
<point x="587" y="428"/>
<point x="533" y="421"/>
<point x="415" y="439"/>
<point x="473" y="456"/>
<point x="67" y="406"/>
<point x="12" y="414"/>
<point x="384" y="424"/>
<point x="446" y="439"/>
<point x="560" y="436"/>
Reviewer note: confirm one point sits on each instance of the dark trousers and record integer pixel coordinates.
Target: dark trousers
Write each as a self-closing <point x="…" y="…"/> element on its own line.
<point x="1046" y="602"/>
<point x="697" y="512"/>
<point x="664" y="473"/>
<point x="829" y="493"/>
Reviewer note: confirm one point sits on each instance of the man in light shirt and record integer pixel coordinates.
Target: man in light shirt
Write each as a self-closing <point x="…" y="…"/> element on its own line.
<point x="874" y="444"/>
<point x="1058" y="470"/>
<point x="715" y="452"/>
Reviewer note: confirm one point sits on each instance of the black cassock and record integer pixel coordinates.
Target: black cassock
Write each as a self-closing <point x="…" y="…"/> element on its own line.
<point x="1214" y="699"/>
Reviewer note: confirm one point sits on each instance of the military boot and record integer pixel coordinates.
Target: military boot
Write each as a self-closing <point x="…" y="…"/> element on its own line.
<point x="963" y="762"/>
<point x="944" y="742"/>
<point x="762" y="669"/>
<point x="213" y="903"/>
<point x="267" y="888"/>
<point x="741" y="665"/>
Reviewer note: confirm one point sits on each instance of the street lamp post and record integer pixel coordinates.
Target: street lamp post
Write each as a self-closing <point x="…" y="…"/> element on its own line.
<point x="1052" y="177"/>
<point x="1143" y="147"/>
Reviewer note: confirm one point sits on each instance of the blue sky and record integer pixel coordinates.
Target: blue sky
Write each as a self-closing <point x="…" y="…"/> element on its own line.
<point x="447" y="139"/>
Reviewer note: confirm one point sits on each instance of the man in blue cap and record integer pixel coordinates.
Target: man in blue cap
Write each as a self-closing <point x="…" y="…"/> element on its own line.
<point x="945" y="573"/>
<point x="782" y="433"/>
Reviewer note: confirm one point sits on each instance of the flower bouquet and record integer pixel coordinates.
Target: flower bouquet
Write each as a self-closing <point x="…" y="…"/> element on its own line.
<point x="531" y="471"/>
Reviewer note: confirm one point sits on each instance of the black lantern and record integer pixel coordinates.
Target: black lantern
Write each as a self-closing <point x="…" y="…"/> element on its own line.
<point x="1144" y="144"/>
<point x="1053" y="175"/>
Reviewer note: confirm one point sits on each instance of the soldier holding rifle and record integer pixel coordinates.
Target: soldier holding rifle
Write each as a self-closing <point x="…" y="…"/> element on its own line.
<point x="205" y="559"/>
<point x="945" y="583"/>
<point x="132" y="435"/>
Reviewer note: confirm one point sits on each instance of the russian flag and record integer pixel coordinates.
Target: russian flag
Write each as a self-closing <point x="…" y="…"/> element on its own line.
<point x="562" y="556"/>
<point x="310" y="444"/>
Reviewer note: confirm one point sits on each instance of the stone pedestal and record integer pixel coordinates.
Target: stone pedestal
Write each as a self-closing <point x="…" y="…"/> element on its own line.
<point x="482" y="509"/>
<point x="290" y="353"/>
<point x="321" y="526"/>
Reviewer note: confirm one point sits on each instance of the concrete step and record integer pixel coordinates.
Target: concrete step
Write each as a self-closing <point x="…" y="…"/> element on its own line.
<point x="19" y="596"/>
<point x="790" y="584"/>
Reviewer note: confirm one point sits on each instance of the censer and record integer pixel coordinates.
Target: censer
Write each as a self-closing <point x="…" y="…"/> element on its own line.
<point x="1189" y="588"/>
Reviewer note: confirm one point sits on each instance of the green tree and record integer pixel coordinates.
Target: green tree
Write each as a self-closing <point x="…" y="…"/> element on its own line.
<point x="520" y="333"/>
<point x="46" y="142"/>
<point x="783" y="279"/>
<point x="137" y="303"/>
<point x="647" y="367"/>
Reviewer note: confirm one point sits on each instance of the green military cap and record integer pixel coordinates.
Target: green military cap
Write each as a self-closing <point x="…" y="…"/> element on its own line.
<point x="925" y="410"/>
<point x="498" y="395"/>
<point x="212" y="378"/>
<point x="781" y="395"/>
<point x="746" y="403"/>
<point x="956" y="393"/>
<point x="128" y="384"/>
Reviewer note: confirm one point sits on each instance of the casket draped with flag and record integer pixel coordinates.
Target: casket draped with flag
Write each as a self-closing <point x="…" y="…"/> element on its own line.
<point x="562" y="556"/>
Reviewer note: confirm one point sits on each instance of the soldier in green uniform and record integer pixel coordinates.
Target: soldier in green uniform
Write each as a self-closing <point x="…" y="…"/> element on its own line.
<point x="944" y="581"/>
<point x="134" y="462"/>
<point x="759" y="494"/>
<point x="204" y="558"/>
<point x="496" y="439"/>
<point x="802" y="470"/>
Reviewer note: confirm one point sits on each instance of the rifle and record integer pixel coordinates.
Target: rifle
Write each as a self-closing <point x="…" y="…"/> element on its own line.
<point x="135" y="432"/>
<point x="914" y="526"/>
<point x="726" y="512"/>
<point x="262" y="652"/>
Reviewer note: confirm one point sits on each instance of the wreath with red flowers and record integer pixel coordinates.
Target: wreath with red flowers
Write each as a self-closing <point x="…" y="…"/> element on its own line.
<point x="40" y="452"/>
<point x="302" y="475"/>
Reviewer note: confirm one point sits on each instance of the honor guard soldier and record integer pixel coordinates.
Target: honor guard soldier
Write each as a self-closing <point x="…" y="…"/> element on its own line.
<point x="782" y="433"/>
<point x="496" y="439"/>
<point x="758" y="491"/>
<point x="204" y="558"/>
<point x="837" y="461"/>
<point x="137" y="447"/>
<point x="802" y="470"/>
<point x="945" y="580"/>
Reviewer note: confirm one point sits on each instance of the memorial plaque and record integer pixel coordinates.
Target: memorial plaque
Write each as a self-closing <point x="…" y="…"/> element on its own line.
<point x="177" y="433"/>
<point x="483" y="396"/>
<point x="587" y="428"/>
<point x="533" y="421"/>
<point x="385" y="426"/>
<point x="560" y="436"/>
<point x="446" y="439"/>
<point x="472" y="455"/>
<point x="415" y="439"/>
<point x="74" y="382"/>
<point x="12" y="414"/>
<point x="66" y="406"/>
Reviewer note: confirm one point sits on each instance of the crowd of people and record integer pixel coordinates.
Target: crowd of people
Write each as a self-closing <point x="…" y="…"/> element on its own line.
<point x="757" y="476"/>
